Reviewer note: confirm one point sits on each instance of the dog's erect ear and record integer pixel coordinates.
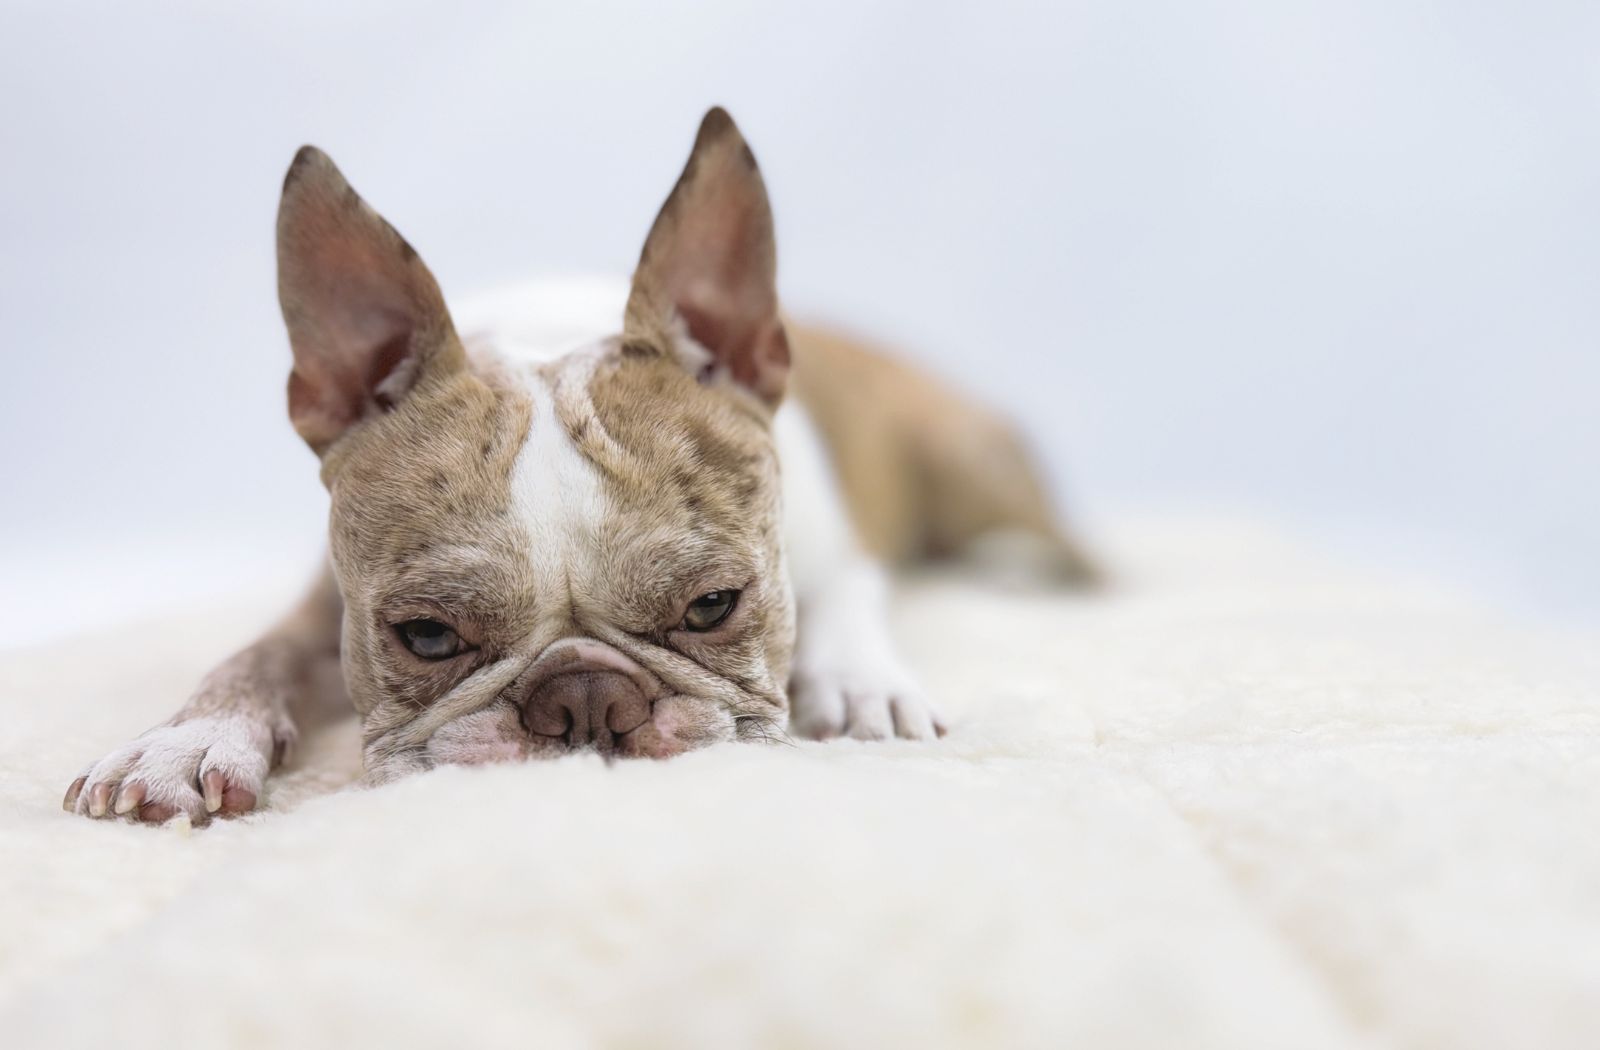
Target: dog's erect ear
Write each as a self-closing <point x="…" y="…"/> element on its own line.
<point x="710" y="264"/>
<point x="366" y="319"/>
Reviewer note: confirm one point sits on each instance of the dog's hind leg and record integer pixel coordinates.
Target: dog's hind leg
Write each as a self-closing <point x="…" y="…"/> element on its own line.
<point x="929" y="475"/>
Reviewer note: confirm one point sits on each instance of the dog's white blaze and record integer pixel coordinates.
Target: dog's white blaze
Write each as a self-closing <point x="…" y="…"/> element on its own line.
<point x="557" y="493"/>
<point x="554" y="489"/>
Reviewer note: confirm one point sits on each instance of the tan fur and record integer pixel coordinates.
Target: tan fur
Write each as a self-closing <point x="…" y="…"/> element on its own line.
<point x="926" y="471"/>
<point x="695" y="498"/>
<point x="421" y="527"/>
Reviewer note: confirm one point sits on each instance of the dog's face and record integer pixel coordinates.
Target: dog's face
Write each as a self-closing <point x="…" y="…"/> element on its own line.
<point x="580" y="554"/>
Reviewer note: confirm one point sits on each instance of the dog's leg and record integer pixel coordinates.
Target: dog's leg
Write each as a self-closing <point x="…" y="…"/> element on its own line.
<point x="847" y="678"/>
<point x="214" y="755"/>
<point x="927" y="473"/>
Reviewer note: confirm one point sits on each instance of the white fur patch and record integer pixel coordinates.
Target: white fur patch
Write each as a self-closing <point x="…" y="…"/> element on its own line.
<point x="555" y="489"/>
<point x="557" y="493"/>
<point x="818" y="537"/>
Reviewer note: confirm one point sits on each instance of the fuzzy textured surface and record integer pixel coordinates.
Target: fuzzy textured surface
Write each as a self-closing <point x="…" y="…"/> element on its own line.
<point x="1244" y="799"/>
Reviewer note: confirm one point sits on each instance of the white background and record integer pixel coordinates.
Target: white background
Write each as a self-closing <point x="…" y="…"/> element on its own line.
<point x="1333" y="263"/>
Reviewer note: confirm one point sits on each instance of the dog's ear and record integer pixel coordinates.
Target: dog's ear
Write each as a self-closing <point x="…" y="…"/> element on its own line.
<point x="709" y="265"/>
<point x="366" y="319"/>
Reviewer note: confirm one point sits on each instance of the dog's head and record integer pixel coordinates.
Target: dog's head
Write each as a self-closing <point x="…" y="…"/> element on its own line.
<point x="586" y="553"/>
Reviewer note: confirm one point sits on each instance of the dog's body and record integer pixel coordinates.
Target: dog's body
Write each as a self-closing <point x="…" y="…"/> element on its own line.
<point x="546" y="535"/>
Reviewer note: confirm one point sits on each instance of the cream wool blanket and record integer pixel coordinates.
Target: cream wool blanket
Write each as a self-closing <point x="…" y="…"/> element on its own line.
<point x="1244" y="799"/>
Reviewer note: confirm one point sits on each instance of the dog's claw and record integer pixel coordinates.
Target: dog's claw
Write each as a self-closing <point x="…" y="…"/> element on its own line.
<point x="130" y="798"/>
<point x="100" y="799"/>
<point x="212" y="785"/>
<point x="70" y="802"/>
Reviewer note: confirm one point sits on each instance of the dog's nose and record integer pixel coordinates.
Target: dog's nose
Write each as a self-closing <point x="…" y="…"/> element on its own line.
<point x="587" y="707"/>
<point x="587" y="693"/>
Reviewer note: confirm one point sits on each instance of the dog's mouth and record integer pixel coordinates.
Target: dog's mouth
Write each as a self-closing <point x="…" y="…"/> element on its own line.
<point x="505" y="732"/>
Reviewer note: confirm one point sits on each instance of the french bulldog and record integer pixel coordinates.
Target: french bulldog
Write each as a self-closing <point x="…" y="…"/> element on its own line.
<point x="549" y="535"/>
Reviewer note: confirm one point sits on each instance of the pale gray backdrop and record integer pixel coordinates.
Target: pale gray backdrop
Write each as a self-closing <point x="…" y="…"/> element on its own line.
<point x="1332" y="263"/>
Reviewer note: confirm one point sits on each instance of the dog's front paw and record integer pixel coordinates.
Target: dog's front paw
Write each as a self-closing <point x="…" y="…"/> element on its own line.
<point x="867" y="703"/>
<point x="197" y="766"/>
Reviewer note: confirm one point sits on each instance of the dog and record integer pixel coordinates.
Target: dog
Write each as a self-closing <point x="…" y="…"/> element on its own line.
<point x="547" y="536"/>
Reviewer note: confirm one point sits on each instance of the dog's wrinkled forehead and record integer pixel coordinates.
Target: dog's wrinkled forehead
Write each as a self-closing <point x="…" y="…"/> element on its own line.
<point x="602" y="482"/>
<point x="634" y="481"/>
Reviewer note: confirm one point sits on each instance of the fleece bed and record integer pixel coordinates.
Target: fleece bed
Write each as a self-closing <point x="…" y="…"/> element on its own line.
<point x="1244" y="797"/>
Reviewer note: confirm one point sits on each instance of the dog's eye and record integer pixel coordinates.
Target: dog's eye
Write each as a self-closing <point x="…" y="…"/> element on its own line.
<point x="430" y="639"/>
<point x="709" y="610"/>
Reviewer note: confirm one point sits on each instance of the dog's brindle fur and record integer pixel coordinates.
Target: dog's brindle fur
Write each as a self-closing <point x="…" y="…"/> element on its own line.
<point x="560" y="516"/>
